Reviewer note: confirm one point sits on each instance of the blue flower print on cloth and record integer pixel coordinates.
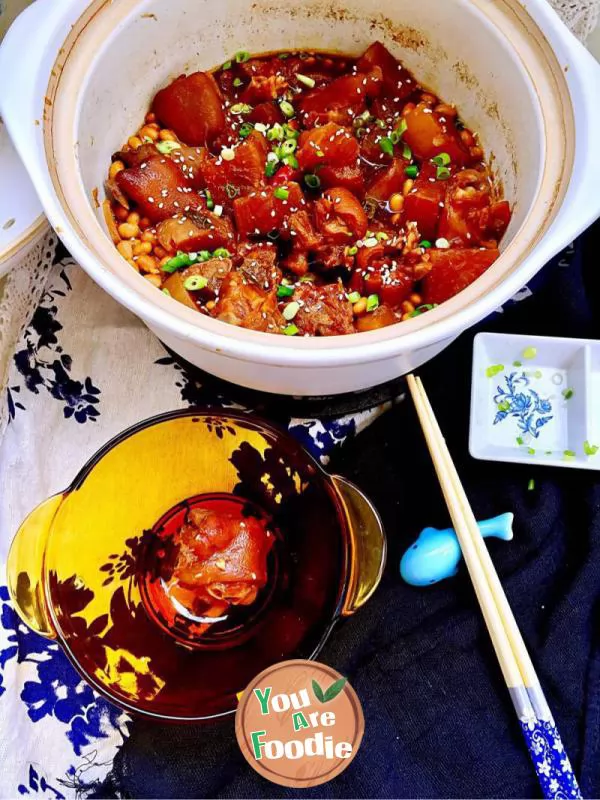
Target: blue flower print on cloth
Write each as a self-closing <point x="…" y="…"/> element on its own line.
<point x="551" y="763"/>
<point x="44" y="365"/>
<point x="50" y="688"/>
<point x="518" y="400"/>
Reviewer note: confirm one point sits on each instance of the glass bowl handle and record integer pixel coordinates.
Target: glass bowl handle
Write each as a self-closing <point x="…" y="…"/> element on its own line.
<point x="25" y="567"/>
<point x="368" y="545"/>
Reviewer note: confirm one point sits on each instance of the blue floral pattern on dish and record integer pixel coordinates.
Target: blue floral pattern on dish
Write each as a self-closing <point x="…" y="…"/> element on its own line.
<point x="519" y="401"/>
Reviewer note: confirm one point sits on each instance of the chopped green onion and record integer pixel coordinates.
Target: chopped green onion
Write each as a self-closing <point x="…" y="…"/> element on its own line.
<point x="227" y="65"/>
<point x="406" y="152"/>
<point x="210" y="203"/>
<point x="402" y="128"/>
<point x="246" y="129"/>
<point x="275" y="132"/>
<point x="289" y="132"/>
<point x="569" y="454"/>
<point x="353" y="297"/>
<point x="291" y="161"/>
<point x="381" y="236"/>
<point x="240" y="108"/>
<point x="494" y="370"/>
<point x="590" y="449"/>
<point x="503" y="405"/>
<point x="442" y="173"/>
<point x="386" y="145"/>
<point x="242" y="56"/>
<point x="352" y="251"/>
<point x="531" y="451"/>
<point x="167" y="292"/>
<point x="237" y="82"/>
<point x="362" y="119"/>
<point x="380" y="123"/>
<point x="517" y="364"/>
<point x="175" y="263"/>
<point x="412" y="171"/>
<point x="290" y="330"/>
<point x="271" y="168"/>
<point x="372" y="302"/>
<point x="195" y="283"/>
<point x="281" y="193"/>
<point x="530" y="352"/>
<point x="310" y="82"/>
<point x="204" y="255"/>
<point x="283" y="290"/>
<point x="231" y="191"/>
<point x="287" y="109"/>
<point x="394" y="137"/>
<point x="567" y="393"/>
<point x="422" y="309"/>
<point x="221" y="252"/>
<point x="531" y="485"/>
<point x="167" y="147"/>
<point x="289" y="146"/>
<point x="537" y="374"/>
<point x="425" y="243"/>
<point x="520" y="440"/>
<point x="441" y="160"/>
<point x="312" y="181"/>
<point x="284" y="55"/>
<point x="290" y="311"/>
<point x="147" y="139"/>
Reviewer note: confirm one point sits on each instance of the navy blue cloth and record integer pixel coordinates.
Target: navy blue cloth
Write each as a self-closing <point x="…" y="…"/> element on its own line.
<point x="439" y="722"/>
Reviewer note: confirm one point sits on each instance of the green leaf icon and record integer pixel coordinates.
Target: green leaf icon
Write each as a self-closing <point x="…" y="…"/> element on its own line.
<point x="334" y="689"/>
<point x="331" y="693"/>
<point x="318" y="692"/>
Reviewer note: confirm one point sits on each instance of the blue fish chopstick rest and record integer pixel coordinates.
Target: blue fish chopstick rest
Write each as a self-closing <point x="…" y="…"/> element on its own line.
<point x="436" y="554"/>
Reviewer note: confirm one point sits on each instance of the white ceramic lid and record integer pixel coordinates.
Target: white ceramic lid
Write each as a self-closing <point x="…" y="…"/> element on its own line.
<point x="21" y="218"/>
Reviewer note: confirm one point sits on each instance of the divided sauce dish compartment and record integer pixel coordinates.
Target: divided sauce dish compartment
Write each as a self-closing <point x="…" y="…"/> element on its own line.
<point x="536" y="400"/>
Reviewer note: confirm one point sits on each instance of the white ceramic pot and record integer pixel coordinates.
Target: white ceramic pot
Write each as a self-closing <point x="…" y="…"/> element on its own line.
<point x="516" y="73"/>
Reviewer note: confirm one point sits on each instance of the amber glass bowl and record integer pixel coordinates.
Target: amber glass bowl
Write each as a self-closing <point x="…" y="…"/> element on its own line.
<point x="76" y="566"/>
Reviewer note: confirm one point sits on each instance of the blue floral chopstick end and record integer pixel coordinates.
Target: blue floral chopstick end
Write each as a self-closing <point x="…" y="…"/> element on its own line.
<point x="551" y="763"/>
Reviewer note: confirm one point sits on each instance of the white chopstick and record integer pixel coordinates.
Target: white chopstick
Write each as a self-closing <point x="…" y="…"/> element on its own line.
<point x="554" y="771"/>
<point x="462" y="519"/>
